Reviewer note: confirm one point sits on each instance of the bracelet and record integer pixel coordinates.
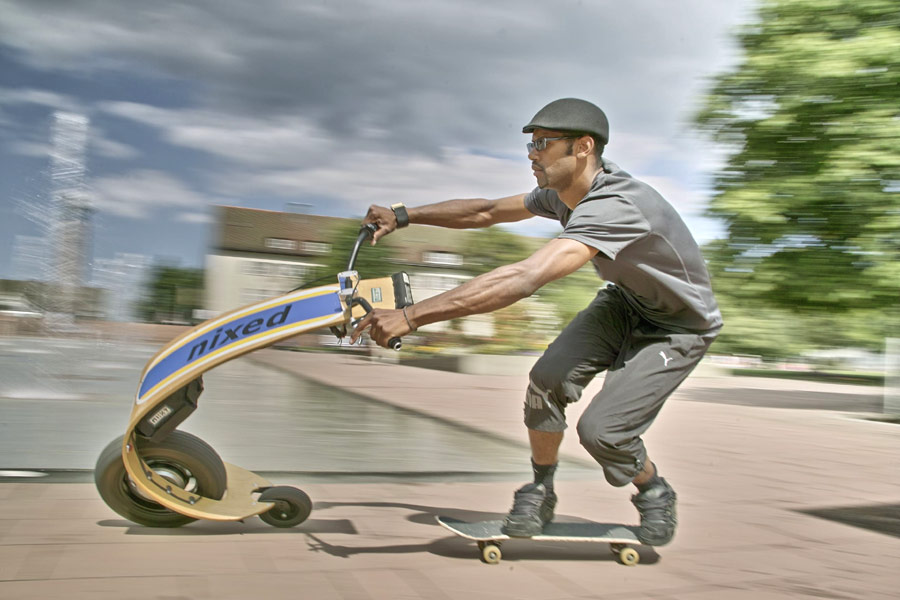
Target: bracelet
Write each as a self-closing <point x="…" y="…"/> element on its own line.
<point x="401" y="215"/>
<point x="408" y="322"/>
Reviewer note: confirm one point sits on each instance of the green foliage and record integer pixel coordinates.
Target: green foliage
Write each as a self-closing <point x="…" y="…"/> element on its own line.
<point x="571" y="294"/>
<point x="516" y="327"/>
<point x="487" y="249"/>
<point x="809" y="194"/>
<point x="171" y="295"/>
<point x="371" y="262"/>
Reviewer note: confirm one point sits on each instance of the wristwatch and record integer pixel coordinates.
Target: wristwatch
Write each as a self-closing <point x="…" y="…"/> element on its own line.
<point x="401" y="214"/>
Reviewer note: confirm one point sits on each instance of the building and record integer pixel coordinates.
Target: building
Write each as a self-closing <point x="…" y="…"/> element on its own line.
<point x="71" y="227"/>
<point x="257" y="254"/>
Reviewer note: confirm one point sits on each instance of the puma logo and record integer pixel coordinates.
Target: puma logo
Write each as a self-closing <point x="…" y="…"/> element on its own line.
<point x="665" y="358"/>
<point x="535" y="397"/>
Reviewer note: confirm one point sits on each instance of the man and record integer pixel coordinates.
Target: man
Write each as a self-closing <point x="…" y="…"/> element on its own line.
<point x="648" y="329"/>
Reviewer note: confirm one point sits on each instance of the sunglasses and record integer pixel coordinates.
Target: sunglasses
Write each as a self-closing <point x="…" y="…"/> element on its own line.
<point x="541" y="143"/>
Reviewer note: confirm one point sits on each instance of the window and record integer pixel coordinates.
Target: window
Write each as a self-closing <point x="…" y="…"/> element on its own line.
<point x="281" y="244"/>
<point x="442" y="258"/>
<point x="315" y="247"/>
<point x="255" y="267"/>
<point x="263" y="268"/>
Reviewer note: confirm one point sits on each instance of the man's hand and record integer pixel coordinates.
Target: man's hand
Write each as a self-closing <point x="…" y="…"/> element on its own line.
<point x="383" y="325"/>
<point x="383" y="218"/>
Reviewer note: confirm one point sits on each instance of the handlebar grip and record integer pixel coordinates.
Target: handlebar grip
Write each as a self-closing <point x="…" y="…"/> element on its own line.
<point x="395" y="343"/>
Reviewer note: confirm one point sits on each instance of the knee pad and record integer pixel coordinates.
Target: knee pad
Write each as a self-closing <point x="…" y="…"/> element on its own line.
<point x="542" y="413"/>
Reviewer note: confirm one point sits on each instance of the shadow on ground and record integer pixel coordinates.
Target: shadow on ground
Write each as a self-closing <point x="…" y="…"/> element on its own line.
<point x="880" y="518"/>
<point x="444" y="544"/>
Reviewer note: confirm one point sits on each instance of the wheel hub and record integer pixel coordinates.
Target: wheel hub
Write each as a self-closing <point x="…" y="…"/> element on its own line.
<point x="174" y="474"/>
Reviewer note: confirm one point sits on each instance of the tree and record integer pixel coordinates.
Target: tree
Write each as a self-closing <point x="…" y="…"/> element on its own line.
<point x="172" y="294"/>
<point x="487" y="249"/>
<point x="371" y="262"/>
<point x="809" y="194"/>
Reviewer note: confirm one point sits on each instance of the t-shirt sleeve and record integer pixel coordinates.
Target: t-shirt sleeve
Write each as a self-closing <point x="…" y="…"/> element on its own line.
<point x="608" y="224"/>
<point x="540" y="203"/>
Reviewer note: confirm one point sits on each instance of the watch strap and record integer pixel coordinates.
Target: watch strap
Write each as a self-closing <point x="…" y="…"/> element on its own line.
<point x="401" y="214"/>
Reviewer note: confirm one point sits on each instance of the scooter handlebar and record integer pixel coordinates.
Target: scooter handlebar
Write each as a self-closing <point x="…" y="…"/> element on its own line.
<point x="365" y="232"/>
<point x="394" y="343"/>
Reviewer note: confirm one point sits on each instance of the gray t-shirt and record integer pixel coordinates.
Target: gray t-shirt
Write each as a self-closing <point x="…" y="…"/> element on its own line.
<point x="644" y="248"/>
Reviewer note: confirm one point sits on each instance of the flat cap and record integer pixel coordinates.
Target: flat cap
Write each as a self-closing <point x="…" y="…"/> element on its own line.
<point x="571" y="114"/>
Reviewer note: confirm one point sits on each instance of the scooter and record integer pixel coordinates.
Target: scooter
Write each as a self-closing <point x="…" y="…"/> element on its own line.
<point x="159" y="476"/>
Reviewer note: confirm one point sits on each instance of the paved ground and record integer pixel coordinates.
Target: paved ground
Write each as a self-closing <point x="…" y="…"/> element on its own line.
<point x="774" y="503"/>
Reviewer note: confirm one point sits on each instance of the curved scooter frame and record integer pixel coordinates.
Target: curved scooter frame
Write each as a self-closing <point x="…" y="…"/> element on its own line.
<point x="224" y="338"/>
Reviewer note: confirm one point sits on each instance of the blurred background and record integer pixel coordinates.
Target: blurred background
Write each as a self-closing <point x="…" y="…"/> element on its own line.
<point x="163" y="162"/>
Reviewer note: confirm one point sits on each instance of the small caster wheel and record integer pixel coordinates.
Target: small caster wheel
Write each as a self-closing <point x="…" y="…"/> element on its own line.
<point x="491" y="554"/>
<point x="292" y="506"/>
<point x="629" y="557"/>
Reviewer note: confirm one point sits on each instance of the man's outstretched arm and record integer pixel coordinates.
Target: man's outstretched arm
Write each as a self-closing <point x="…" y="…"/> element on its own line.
<point x="486" y="293"/>
<point x="470" y="213"/>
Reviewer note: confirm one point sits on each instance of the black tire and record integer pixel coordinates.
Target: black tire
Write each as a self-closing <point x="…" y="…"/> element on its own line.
<point x="292" y="506"/>
<point x="185" y="458"/>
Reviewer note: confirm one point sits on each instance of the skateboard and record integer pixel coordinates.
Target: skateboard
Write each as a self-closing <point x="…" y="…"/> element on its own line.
<point x="489" y="535"/>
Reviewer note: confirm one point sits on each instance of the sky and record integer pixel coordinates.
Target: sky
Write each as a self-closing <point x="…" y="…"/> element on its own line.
<point x="328" y="106"/>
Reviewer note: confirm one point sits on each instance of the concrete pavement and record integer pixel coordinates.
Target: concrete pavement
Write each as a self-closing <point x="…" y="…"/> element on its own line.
<point x="765" y="494"/>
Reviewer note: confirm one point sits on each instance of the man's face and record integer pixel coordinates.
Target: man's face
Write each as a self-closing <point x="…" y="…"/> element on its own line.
<point x="553" y="166"/>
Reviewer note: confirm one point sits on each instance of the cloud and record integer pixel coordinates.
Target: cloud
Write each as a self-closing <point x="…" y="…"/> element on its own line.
<point x="288" y="157"/>
<point x="40" y="97"/>
<point x="33" y="149"/>
<point x="253" y="141"/>
<point x="382" y="178"/>
<point x="108" y="148"/>
<point x="354" y="101"/>
<point x="36" y="142"/>
<point x="194" y="218"/>
<point x="422" y="75"/>
<point x="144" y="193"/>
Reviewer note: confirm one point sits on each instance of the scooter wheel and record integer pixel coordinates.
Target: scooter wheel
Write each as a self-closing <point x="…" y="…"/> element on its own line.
<point x="182" y="458"/>
<point x="292" y="506"/>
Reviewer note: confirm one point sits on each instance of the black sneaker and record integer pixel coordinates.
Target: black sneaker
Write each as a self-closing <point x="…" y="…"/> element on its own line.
<point x="532" y="509"/>
<point x="658" y="520"/>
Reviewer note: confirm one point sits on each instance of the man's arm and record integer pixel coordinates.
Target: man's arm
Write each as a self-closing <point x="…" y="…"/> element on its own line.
<point x="486" y="293"/>
<point x="456" y="214"/>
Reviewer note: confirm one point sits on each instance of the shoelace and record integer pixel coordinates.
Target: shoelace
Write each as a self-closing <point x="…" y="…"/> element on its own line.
<point x="654" y="509"/>
<point x="526" y="502"/>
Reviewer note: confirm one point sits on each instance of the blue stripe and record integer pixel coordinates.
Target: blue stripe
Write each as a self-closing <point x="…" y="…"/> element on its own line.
<point x="232" y="332"/>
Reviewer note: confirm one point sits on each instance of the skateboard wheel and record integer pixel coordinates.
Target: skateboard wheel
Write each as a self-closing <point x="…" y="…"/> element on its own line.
<point x="629" y="556"/>
<point x="491" y="554"/>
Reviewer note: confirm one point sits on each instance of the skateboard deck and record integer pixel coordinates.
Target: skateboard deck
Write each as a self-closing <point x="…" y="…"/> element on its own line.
<point x="489" y="535"/>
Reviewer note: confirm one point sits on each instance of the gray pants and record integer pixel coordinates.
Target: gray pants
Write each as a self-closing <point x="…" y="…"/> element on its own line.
<point x="645" y="364"/>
